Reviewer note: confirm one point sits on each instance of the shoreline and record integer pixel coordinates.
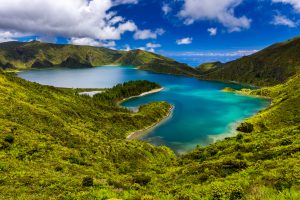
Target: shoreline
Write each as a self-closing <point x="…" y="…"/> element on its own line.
<point x="90" y="93"/>
<point x="136" y="134"/>
<point x="141" y="95"/>
<point x="247" y="93"/>
<point x="231" y="132"/>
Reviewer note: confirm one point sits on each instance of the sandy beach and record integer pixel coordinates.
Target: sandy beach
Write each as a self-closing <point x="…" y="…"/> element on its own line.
<point x="138" y="133"/>
<point x="143" y="94"/>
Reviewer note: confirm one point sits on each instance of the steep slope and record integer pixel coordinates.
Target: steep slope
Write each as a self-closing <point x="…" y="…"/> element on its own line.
<point x="153" y="62"/>
<point x="38" y="55"/>
<point x="208" y="67"/>
<point x="51" y="139"/>
<point x="55" y="143"/>
<point x="270" y="66"/>
<point x="18" y="55"/>
<point x="263" y="163"/>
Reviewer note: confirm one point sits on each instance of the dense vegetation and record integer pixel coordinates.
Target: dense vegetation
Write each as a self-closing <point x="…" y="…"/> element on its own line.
<point x="206" y="68"/>
<point x="153" y="62"/>
<point x="271" y="66"/>
<point x="57" y="144"/>
<point x="52" y="139"/>
<point x="125" y="90"/>
<point x="18" y="55"/>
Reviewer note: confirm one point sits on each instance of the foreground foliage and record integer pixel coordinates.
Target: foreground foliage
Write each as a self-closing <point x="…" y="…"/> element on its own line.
<point x="52" y="139"/>
<point x="58" y="144"/>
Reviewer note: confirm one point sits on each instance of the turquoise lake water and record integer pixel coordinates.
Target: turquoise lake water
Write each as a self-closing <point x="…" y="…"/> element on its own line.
<point x="202" y="112"/>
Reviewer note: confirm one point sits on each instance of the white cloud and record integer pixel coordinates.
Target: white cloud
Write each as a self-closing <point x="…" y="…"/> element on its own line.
<point x="151" y="45"/>
<point x="70" y="18"/>
<point x="294" y="3"/>
<point x="142" y="48"/>
<point x="218" y="54"/>
<point x="147" y="34"/>
<point x="126" y="47"/>
<point x="186" y="40"/>
<point x="6" y="36"/>
<point x="284" y="21"/>
<point x="212" y="31"/>
<point x="216" y="10"/>
<point x="117" y="2"/>
<point x="92" y="42"/>
<point x="166" y="9"/>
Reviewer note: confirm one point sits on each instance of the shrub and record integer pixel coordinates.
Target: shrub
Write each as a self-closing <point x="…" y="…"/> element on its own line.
<point x="142" y="179"/>
<point x="286" y="141"/>
<point x="282" y="184"/>
<point x="239" y="137"/>
<point x="9" y="138"/>
<point x="87" y="182"/>
<point x="245" y="127"/>
<point x="239" y="156"/>
<point x="58" y="168"/>
<point x="236" y="195"/>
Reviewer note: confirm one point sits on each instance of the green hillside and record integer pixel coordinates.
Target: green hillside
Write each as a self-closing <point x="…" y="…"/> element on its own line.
<point x="51" y="139"/>
<point x="18" y="55"/>
<point x="56" y="144"/>
<point x="208" y="67"/>
<point x="38" y="55"/>
<point x="270" y="66"/>
<point x="153" y="62"/>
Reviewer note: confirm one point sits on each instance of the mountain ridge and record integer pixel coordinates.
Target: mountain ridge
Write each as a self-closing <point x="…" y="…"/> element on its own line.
<point x="270" y="66"/>
<point x="27" y="55"/>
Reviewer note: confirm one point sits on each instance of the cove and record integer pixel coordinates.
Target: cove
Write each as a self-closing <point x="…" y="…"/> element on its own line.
<point x="202" y="112"/>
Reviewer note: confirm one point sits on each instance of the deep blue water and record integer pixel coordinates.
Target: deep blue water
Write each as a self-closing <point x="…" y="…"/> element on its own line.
<point x="202" y="112"/>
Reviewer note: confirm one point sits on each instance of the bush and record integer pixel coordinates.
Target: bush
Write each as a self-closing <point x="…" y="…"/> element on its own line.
<point x="87" y="182"/>
<point x="9" y="138"/>
<point x="142" y="179"/>
<point x="239" y="156"/>
<point x="239" y="137"/>
<point x="282" y="184"/>
<point x="245" y="127"/>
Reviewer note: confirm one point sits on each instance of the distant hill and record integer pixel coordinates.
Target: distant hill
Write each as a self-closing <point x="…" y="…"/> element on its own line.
<point x="157" y="63"/>
<point x="271" y="66"/>
<point x="19" y="55"/>
<point x="209" y="67"/>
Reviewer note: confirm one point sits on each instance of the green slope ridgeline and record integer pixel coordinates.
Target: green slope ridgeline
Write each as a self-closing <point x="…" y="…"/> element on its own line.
<point x="18" y="55"/>
<point x="271" y="66"/>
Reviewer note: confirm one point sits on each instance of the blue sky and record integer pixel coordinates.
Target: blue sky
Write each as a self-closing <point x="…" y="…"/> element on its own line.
<point x="188" y="30"/>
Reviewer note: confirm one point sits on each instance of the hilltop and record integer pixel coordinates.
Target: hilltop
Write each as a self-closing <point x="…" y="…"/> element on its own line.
<point x="35" y="54"/>
<point x="270" y="66"/>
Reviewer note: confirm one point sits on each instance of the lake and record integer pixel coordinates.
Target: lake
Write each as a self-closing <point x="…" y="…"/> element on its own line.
<point x="202" y="112"/>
